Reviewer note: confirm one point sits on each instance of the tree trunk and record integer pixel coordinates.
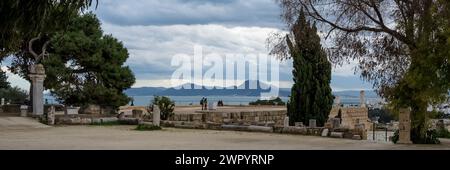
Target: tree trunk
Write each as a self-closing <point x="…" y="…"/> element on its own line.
<point x="419" y="122"/>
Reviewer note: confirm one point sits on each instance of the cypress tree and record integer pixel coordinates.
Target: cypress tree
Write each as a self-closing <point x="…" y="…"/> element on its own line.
<point x="311" y="96"/>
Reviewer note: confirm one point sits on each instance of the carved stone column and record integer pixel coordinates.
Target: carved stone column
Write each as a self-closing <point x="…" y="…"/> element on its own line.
<point x="37" y="76"/>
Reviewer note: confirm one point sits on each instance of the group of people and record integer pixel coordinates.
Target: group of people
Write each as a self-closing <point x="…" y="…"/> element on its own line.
<point x="204" y="103"/>
<point x="220" y="103"/>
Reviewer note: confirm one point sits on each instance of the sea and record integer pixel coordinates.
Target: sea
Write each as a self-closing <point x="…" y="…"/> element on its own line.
<point x="227" y="100"/>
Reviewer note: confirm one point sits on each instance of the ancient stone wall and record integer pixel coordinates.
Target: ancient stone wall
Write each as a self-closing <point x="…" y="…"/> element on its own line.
<point x="352" y="116"/>
<point x="261" y="118"/>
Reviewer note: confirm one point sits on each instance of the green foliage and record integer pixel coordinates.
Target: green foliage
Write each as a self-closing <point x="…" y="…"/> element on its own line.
<point x="86" y="67"/>
<point x="311" y="96"/>
<point x="443" y="133"/>
<point x="22" y="20"/>
<point x="166" y="106"/>
<point x="384" y="114"/>
<point x="14" y="94"/>
<point x="437" y="115"/>
<point x="145" y="127"/>
<point x="273" y="102"/>
<point x="4" y="84"/>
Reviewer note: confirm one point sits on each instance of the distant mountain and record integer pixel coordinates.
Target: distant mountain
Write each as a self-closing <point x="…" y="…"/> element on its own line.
<point x="144" y="91"/>
<point x="241" y="90"/>
<point x="231" y="91"/>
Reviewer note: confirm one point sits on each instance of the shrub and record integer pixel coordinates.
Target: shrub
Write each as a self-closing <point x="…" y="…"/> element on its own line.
<point x="14" y="94"/>
<point x="276" y="101"/>
<point x="166" y="106"/>
<point x="443" y="133"/>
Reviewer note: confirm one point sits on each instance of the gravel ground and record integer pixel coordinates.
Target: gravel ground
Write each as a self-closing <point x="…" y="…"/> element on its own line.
<point x="124" y="137"/>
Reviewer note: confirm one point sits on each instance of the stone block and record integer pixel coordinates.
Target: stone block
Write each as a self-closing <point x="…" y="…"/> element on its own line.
<point x="325" y="132"/>
<point x="299" y="124"/>
<point x="129" y="121"/>
<point x="71" y="110"/>
<point x="337" y="135"/>
<point x="312" y="123"/>
<point x="357" y="137"/>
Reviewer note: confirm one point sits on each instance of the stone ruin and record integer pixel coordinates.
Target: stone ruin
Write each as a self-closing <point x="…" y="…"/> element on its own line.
<point x="352" y="116"/>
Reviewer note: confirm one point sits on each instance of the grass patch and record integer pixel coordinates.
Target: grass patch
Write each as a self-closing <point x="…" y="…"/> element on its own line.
<point x="144" y="127"/>
<point x="114" y="123"/>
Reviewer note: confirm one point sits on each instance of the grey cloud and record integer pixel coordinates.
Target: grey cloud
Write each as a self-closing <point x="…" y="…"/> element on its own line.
<point x="171" y="12"/>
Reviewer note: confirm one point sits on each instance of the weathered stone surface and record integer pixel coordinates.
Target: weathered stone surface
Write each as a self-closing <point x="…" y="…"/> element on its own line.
<point x="156" y="115"/>
<point x="138" y="113"/>
<point x="404" y="127"/>
<point x="130" y="121"/>
<point x="23" y="110"/>
<point x="51" y="116"/>
<point x="337" y="135"/>
<point x="357" y="137"/>
<point x="325" y="132"/>
<point x="299" y="124"/>
<point x="91" y="109"/>
<point x="286" y="121"/>
<point x="71" y="110"/>
<point x="336" y="122"/>
<point x="105" y="120"/>
<point x="312" y="123"/>
<point x="295" y="130"/>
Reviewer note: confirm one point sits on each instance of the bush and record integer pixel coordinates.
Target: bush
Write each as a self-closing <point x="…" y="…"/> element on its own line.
<point x="443" y="133"/>
<point x="145" y="127"/>
<point x="277" y="102"/>
<point x="385" y="115"/>
<point x="166" y="105"/>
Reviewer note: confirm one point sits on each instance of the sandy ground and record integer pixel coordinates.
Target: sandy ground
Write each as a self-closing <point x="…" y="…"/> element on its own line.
<point x="124" y="137"/>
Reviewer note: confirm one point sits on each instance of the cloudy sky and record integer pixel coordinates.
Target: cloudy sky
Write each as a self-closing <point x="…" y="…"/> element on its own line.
<point x="154" y="31"/>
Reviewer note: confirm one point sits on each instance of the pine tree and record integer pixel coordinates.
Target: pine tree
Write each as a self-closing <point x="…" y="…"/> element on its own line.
<point x="4" y="84"/>
<point x="311" y="96"/>
<point x="87" y="67"/>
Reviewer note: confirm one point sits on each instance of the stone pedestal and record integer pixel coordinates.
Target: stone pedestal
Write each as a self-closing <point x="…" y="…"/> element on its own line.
<point x="156" y="115"/>
<point x="51" y="116"/>
<point x="404" y="127"/>
<point x="312" y="123"/>
<point x="37" y="76"/>
<point x="286" y="121"/>
<point x="23" y="111"/>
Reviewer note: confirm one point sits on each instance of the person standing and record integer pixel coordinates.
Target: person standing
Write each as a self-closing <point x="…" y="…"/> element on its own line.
<point x="202" y="101"/>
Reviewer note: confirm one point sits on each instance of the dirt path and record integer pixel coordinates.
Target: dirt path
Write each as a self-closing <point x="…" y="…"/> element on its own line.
<point x="123" y="137"/>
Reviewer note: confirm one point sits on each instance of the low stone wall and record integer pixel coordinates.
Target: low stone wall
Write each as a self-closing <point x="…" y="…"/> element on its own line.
<point x="11" y="108"/>
<point x="83" y="119"/>
<point x="257" y="118"/>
